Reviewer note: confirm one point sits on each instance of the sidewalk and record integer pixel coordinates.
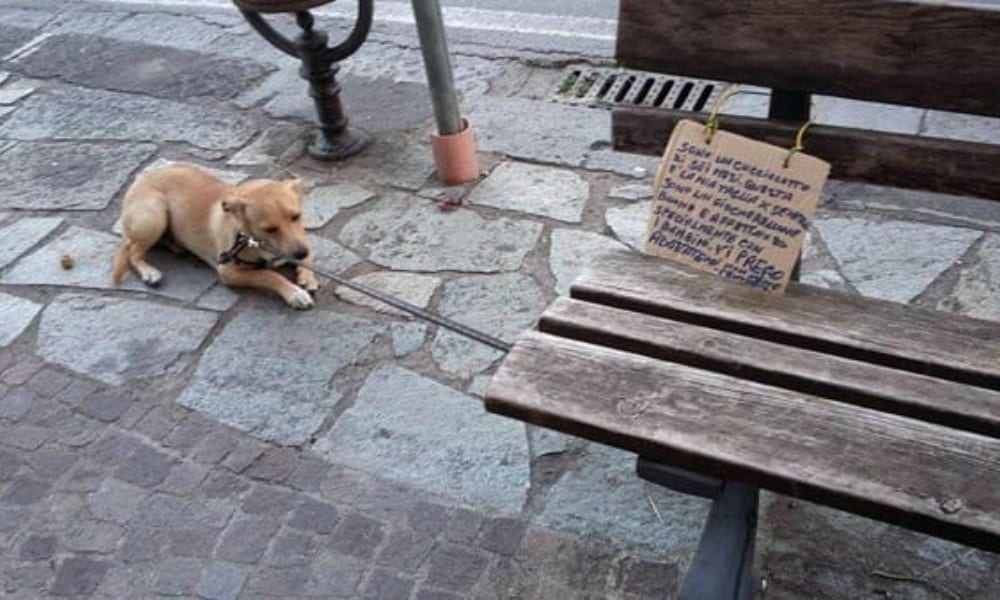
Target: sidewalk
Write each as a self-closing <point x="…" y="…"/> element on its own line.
<point x="197" y="442"/>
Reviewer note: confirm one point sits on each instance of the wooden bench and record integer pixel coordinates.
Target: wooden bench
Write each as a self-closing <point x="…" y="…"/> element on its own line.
<point x="877" y="408"/>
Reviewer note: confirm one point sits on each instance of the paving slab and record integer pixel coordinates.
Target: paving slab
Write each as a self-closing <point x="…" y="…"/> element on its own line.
<point x="411" y="287"/>
<point x="24" y="17"/>
<point x="552" y="133"/>
<point x="268" y="372"/>
<point x="977" y="293"/>
<point x="572" y="250"/>
<point x="331" y="256"/>
<point x="176" y="31"/>
<point x="546" y="442"/>
<point x="20" y="236"/>
<point x="139" y="68"/>
<point x="391" y="62"/>
<point x="67" y="175"/>
<point x="811" y="551"/>
<point x="12" y="92"/>
<point x="412" y="429"/>
<point x="184" y="278"/>
<point x="323" y="203"/>
<point x="411" y="234"/>
<point x="230" y="176"/>
<point x="631" y="191"/>
<point x="83" y="20"/>
<point x="279" y="144"/>
<point x="629" y="223"/>
<point x="844" y="112"/>
<point x="503" y="306"/>
<point x="218" y="298"/>
<point x="115" y="340"/>
<point x="603" y="498"/>
<point x="407" y="338"/>
<point x="84" y="114"/>
<point x="893" y="260"/>
<point x="15" y="316"/>
<point x="409" y="154"/>
<point x="374" y="105"/>
<point x="545" y="191"/>
<point x="12" y="38"/>
<point x="958" y="126"/>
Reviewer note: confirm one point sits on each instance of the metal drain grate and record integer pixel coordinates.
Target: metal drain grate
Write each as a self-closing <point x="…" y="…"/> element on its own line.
<point x="615" y="87"/>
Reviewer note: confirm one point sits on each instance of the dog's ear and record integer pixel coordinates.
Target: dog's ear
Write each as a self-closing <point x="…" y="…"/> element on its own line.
<point x="234" y="205"/>
<point x="295" y="185"/>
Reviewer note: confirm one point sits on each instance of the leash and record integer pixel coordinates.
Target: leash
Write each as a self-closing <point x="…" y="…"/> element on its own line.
<point x="244" y="241"/>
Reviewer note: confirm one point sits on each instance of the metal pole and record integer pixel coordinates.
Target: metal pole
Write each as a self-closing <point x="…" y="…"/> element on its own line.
<point x="430" y="28"/>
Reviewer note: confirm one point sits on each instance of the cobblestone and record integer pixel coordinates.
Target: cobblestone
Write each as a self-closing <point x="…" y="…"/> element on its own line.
<point x="145" y="467"/>
<point x="268" y="500"/>
<point x="193" y="542"/>
<point x="291" y="548"/>
<point x="78" y="576"/>
<point x="26" y="437"/>
<point x="246" y="539"/>
<point x="455" y="568"/>
<point x="221" y="581"/>
<point x="315" y="516"/>
<point x="38" y="547"/>
<point x="357" y="536"/>
<point x="25" y="491"/>
<point x="105" y="406"/>
<point x="385" y="585"/>
<point x="405" y="550"/>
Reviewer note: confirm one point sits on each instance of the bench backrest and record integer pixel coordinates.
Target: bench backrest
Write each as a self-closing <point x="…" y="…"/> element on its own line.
<point x="938" y="56"/>
<point x="941" y="56"/>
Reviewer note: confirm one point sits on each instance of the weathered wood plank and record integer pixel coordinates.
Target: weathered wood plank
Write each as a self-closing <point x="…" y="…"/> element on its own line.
<point x="905" y="161"/>
<point x="900" y="392"/>
<point x="887" y="467"/>
<point x="894" y="335"/>
<point x="923" y="54"/>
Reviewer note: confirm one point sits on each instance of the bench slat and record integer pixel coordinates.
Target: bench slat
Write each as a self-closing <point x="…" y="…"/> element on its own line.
<point x="894" y="335"/>
<point x="888" y="467"/>
<point x="918" y="396"/>
<point x="905" y="161"/>
<point x="928" y="55"/>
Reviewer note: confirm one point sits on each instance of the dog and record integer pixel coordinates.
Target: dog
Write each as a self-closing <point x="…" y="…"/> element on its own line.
<point x="190" y="209"/>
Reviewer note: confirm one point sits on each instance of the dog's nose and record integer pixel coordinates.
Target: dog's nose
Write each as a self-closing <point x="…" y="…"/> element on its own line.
<point x="300" y="253"/>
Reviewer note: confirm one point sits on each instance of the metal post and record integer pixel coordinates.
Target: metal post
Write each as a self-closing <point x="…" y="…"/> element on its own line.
<point x="334" y="140"/>
<point x="430" y="28"/>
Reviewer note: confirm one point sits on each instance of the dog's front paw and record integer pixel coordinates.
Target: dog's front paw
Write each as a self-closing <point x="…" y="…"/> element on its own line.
<point x="151" y="276"/>
<point x="300" y="299"/>
<point x="307" y="280"/>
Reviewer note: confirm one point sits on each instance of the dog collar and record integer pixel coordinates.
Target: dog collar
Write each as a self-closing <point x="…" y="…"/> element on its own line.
<point x="241" y="243"/>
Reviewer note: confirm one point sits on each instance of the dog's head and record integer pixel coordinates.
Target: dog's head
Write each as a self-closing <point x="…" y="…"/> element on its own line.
<point x="271" y="211"/>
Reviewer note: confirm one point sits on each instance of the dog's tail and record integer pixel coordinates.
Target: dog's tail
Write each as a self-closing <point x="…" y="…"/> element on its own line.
<point x="119" y="266"/>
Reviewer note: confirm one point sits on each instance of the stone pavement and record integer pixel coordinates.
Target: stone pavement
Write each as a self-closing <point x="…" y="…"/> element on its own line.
<point x="194" y="442"/>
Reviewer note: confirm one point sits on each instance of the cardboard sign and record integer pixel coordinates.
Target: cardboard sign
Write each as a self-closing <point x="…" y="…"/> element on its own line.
<point x="732" y="207"/>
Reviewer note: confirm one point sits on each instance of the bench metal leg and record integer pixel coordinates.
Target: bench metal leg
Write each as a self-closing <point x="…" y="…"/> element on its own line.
<point x="723" y="565"/>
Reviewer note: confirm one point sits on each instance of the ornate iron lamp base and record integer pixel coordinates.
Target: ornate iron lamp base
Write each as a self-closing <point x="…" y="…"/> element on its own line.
<point x="334" y="140"/>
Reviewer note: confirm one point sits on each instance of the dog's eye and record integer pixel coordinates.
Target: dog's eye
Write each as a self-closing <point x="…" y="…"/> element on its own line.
<point x="295" y="218"/>
<point x="271" y="230"/>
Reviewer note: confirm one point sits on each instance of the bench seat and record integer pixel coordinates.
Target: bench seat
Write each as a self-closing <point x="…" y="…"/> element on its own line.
<point x="869" y="406"/>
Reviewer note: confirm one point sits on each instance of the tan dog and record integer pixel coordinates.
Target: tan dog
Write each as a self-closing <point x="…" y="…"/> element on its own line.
<point x="204" y="215"/>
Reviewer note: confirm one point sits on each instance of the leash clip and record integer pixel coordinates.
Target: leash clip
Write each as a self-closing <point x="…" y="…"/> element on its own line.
<point x="241" y="243"/>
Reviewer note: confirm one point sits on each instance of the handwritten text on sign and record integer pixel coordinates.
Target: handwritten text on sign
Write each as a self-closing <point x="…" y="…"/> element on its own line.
<point x="731" y="206"/>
